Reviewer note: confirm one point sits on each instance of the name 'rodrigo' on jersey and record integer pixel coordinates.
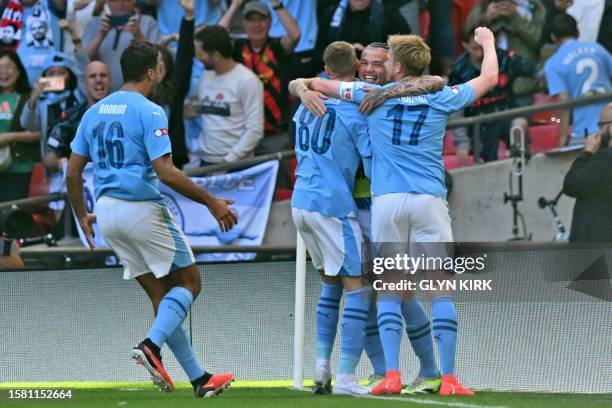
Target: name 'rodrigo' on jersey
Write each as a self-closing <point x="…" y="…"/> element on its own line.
<point x="122" y="134"/>
<point x="329" y="150"/>
<point x="406" y="136"/>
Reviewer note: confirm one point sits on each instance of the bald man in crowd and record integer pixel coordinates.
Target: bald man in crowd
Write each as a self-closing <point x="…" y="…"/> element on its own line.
<point x="97" y="85"/>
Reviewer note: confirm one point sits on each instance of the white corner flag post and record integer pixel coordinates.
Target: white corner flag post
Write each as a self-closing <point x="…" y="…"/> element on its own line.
<point x="300" y="311"/>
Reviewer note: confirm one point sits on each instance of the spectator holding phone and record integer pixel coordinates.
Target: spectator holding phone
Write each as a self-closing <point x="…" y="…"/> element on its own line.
<point x="16" y="169"/>
<point x="53" y="94"/>
<point x="589" y="181"/>
<point x="107" y="36"/>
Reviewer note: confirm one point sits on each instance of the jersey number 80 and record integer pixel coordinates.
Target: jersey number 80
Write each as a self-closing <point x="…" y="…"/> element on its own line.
<point x="306" y="140"/>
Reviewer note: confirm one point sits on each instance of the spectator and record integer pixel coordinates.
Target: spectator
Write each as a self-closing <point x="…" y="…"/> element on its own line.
<point x="23" y="145"/>
<point x="517" y="25"/>
<point x="440" y="35"/>
<point x="46" y="108"/>
<point x="169" y="16"/>
<point x="578" y="68"/>
<point x="588" y="15"/>
<point x="107" y="36"/>
<point x="31" y="28"/>
<point x="228" y="98"/>
<point x="302" y="63"/>
<point x="360" y="22"/>
<point x="500" y="98"/>
<point x="13" y="259"/>
<point x="605" y="29"/>
<point x="185" y="134"/>
<point x="97" y="85"/>
<point x="268" y="58"/>
<point x="78" y="14"/>
<point x="553" y="7"/>
<point x="589" y="180"/>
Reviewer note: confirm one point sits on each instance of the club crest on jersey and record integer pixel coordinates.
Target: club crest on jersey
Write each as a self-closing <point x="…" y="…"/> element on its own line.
<point x="347" y="93"/>
<point x="161" y="132"/>
<point x="454" y="89"/>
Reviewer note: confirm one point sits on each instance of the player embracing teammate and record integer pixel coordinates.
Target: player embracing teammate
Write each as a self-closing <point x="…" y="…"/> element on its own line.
<point x="409" y="195"/>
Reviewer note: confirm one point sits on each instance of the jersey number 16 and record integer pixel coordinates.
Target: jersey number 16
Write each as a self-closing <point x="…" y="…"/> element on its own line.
<point x="110" y="145"/>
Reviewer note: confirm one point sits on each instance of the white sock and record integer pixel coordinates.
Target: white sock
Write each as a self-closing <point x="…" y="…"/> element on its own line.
<point x="345" y="378"/>
<point x="323" y="364"/>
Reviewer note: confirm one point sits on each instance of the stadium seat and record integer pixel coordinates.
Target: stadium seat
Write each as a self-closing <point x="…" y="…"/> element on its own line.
<point x="544" y="137"/>
<point x="449" y="144"/>
<point x="39" y="183"/>
<point x="544" y="118"/>
<point x="451" y="162"/>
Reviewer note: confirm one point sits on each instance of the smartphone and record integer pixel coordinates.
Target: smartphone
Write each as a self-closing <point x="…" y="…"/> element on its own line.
<point x="52" y="84"/>
<point x="117" y="21"/>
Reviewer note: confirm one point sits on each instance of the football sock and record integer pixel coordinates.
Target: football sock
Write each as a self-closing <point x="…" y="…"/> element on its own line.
<point x="170" y="314"/>
<point x="327" y="321"/>
<point x="179" y="344"/>
<point x="419" y="334"/>
<point x="373" y="346"/>
<point x="390" y="327"/>
<point x="354" y="317"/>
<point x="445" y="332"/>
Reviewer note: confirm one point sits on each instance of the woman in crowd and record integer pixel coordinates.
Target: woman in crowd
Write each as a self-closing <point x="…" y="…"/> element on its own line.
<point x="17" y="146"/>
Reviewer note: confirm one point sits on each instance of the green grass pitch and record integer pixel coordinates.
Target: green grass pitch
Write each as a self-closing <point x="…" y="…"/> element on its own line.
<point x="279" y="395"/>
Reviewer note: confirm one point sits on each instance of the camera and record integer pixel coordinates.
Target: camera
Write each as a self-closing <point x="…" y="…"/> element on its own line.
<point x="15" y="223"/>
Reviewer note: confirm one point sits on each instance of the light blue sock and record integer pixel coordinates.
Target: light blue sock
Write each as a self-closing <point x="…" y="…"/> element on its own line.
<point x="354" y="317"/>
<point x="373" y="346"/>
<point x="327" y="319"/>
<point x="179" y="344"/>
<point x="445" y="332"/>
<point x="171" y="312"/>
<point x="390" y="327"/>
<point x="419" y="334"/>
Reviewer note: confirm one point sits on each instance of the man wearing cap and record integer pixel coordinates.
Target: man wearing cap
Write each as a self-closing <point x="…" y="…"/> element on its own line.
<point x="268" y="58"/>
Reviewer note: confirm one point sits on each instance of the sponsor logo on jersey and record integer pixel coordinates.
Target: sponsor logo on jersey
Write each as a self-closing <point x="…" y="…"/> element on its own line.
<point x="161" y="132"/>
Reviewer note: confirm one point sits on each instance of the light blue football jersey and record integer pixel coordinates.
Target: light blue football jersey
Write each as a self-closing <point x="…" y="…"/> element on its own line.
<point x="580" y="68"/>
<point x="406" y="136"/>
<point x="329" y="151"/>
<point x="122" y="134"/>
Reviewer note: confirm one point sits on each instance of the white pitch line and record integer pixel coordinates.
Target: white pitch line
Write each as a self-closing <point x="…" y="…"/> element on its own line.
<point x="432" y="402"/>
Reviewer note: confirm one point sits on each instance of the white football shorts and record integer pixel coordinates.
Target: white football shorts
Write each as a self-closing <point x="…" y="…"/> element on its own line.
<point x="411" y="218"/>
<point x="334" y="244"/>
<point x="144" y="235"/>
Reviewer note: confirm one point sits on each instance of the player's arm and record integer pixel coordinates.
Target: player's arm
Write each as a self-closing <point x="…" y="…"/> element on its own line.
<point x="416" y="86"/>
<point x="312" y="100"/>
<point x="564" y="119"/>
<point x="489" y="71"/>
<point x="176" y="180"/>
<point x="74" y="184"/>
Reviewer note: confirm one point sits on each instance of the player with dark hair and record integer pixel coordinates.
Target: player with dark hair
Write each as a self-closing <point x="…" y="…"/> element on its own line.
<point x="126" y="137"/>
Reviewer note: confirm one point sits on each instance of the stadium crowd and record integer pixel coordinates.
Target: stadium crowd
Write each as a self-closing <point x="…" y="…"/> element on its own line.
<point x="228" y="100"/>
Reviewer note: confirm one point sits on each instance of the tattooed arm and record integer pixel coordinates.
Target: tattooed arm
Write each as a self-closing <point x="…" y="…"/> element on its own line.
<point x="415" y="86"/>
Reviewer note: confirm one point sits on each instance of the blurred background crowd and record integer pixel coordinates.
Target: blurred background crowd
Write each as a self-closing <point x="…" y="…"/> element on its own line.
<point x="227" y="64"/>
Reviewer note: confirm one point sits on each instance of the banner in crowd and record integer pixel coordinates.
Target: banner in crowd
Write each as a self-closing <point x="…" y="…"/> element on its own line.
<point x="252" y="189"/>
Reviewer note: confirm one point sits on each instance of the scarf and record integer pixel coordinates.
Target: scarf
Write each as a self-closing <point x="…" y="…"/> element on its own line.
<point x="11" y="24"/>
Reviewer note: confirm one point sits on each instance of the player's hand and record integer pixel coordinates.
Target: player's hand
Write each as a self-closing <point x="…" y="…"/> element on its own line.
<point x="483" y="35"/>
<point x="87" y="227"/>
<point x="463" y="156"/>
<point x="373" y="99"/>
<point x="312" y="101"/>
<point x="225" y="216"/>
<point x="592" y="143"/>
